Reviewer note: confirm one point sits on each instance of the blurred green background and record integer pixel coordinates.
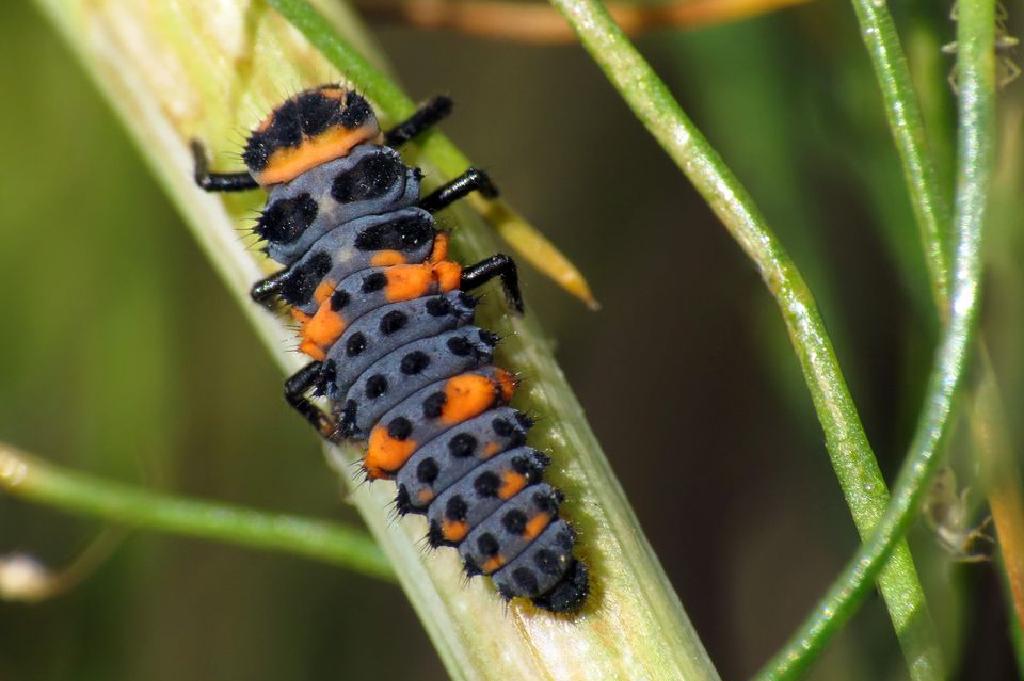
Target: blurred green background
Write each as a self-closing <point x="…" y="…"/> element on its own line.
<point x="122" y="355"/>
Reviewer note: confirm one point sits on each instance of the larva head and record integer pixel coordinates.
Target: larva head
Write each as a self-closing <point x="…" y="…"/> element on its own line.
<point x="316" y="126"/>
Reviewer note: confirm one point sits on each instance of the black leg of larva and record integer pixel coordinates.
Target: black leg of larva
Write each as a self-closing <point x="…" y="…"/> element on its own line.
<point x="295" y="393"/>
<point x="425" y="117"/>
<point x="264" y="290"/>
<point x="472" y="180"/>
<point x="495" y="266"/>
<point x="218" y="182"/>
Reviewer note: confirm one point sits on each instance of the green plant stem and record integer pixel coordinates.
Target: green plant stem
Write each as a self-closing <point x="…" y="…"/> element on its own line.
<point x="174" y="71"/>
<point x="30" y="478"/>
<point x="986" y="414"/>
<point x="931" y="209"/>
<point x="852" y="458"/>
<point x="976" y="134"/>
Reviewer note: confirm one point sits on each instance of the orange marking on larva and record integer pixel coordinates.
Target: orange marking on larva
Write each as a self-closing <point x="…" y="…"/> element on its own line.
<point x="467" y="395"/>
<point x="406" y="282"/>
<point x="325" y="327"/>
<point x="490" y="449"/>
<point x="324" y="290"/>
<point x="449" y="274"/>
<point x="492" y="564"/>
<point x="506" y="382"/>
<point x="300" y="316"/>
<point x="454" y="530"/>
<point x="287" y="163"/>
<point x="313" y="350"/>
<point x="386" y="454"/>
<point x="536" y="525"/>
<point x="511" y="484"/>
<point x="388" y="256"/>
<point x="425" y="496"/>
<point x="440" y="250"/>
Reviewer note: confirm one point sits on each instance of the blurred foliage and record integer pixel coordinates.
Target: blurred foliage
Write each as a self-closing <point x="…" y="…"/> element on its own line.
<point x="123" y="356"/>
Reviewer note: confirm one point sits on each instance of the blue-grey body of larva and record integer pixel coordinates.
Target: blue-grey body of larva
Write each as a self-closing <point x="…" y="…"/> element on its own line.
<point x="391" y="333"/>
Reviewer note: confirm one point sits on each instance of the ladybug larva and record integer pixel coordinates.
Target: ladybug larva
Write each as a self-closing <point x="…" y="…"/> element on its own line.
<point x="387" y="320"/>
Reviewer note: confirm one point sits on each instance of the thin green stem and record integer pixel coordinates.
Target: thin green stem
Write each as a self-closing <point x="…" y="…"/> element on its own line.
<point x="976" y="135"/>
<point x="389" y="100"/>
<point x="31" y="479"/>
<point x="986" y="415"/>
<point x="852" y="457"/>
<point x="928" y="200"/>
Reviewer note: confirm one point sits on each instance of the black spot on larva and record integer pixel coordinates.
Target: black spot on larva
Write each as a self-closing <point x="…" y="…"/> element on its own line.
<point x="374" y="282"/>
<point x="488" y="337"/>
<point x="426" y="471"/>
<point x="414" y="363"/>
<point x="468" y="301"/>
<point x="502" y="428"/>
<point x="356" y="344"/>
<point x="525" y="580"/>
<point x="392" y="321"/>
<point x="257" y="151"/>
<point x="403" y="233"/>
<point x="486" y="484"/>
<point x="471" y="568"/>
<point x="520" y="464"/>
<point x="547" y="503"/>
<point x="524" y="421"/>
<point x="565" y="539"/>
<point x="488" y="544"/>
<point x="400" y="428"/>
<point x="317" y="112"/>
<point x="356" y="111"/>
<point x="456" y="508"/>
<point x="285" y="130"/>
<point x="369" y="179"/>
<point x="434" y="535"/>
<point x="462" y="445"/>
<point x="376" y="386"/>
<point x="438" y="306"/>
<point x="299" y="286"/>
<point x="285" y="220"/>
<point x="339" y="299"/>
<point x="433" y="405"/>
<point x="547" y="562"/>
<point x="459" y="346"/>
<point x="403" y="502"/>
<point x="514" y="522"/>
<point x="505" y="591"/>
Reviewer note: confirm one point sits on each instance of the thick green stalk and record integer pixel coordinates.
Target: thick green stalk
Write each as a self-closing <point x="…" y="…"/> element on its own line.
<point x="927" y="197"/>
<point x="176" y="70"/>
<point x="976" y="133"/>
<point x="31" y="479"/>
<point x="852" y="458"/>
